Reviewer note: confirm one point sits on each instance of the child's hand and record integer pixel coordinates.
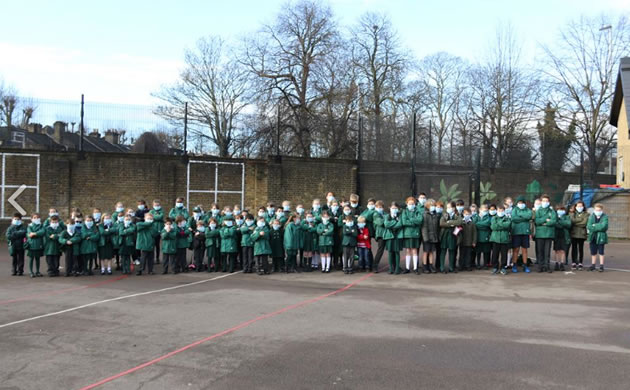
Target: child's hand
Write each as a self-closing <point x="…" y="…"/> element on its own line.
<point x="68" y="242"/>
<point x="474" y="245"/>
<point x="31" y="235"/>
<point x="52" y="236"/>
<point x="196" y="234"/>
<point x="262" y="233"/>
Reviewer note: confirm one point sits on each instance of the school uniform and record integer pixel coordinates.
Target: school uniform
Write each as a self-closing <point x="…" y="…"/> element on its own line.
<point x="276" y="237"/>
<point x="212" y="249"/>
<point x="182" y="243"/>
<point x="349" y="244"/>
<point x="52" y="249"/>
<point x="199" y="249"/>
<point x="484" y="247"/>
<point x="597" y="228"/>
<point x="89" y="247"/>
<point x="35" y="246"/>
<point x="393" y="237"/>
<point x="127" y="236"/>
<point x="468" y="241"/>
<point x="500" y="239"/>
<point x="228" y="247"/>
<point x="326" y="237"/>
<point x="364" y="246"/>
<point x="521" y="228"/>
<point x="177" y="211"/>
<point x="247" y="247"/>
<point x="368" y="214"/>
<point x="16" y="235"/>
<point x="578" y="236"/>
<point x="562" y="238"/>
<point x="450" y="237"/>
<point x="545" y="232"/>
<point x="291" y="243"/>
<point x="70" y="242"/>
<point x="168" y="242"/>
<point x="158" y="220"/>
<point x="337" y="251"/>
<point x="107" y="237"/>
<point x="309" y="241"/>
<point x="262" y="249"/>
<point x="379" y="228"/>
<point x="145" y="242"/>
<point x="412" y="224"/>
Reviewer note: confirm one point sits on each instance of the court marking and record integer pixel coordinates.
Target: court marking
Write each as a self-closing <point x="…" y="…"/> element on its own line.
<point x="113" y="300"/>
<point x="225" y="332"/>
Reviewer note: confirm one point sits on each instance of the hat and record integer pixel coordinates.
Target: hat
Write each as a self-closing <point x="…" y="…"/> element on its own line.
<point x="520" y="198"/>
<point x="197" y="209"/>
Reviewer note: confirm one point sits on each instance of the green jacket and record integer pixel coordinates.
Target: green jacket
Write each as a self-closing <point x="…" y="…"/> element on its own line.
<point x="15" y="238"/>
<point x="246" y="234"/>
<point x="51" y="241"/>
<point x="158" y="219"/>
<point x="563" y="227"/>
<point x="74" y="239"/>
<point x="500" y="230"/>
<point x="469" y="234"/>
<point x="326" y="234"/>
<point x="175" y="212"/>
<point x="578" y="224"/>
<point x="393" y="228"/>
<point x="521" y="221"/>
<point x="275" y="241"/>
<point x="261" y="243"/>
<point x="212" y="237"/>
<point x="169" y="241"/>
<point x="379" y="224"/>
<point x="127" y="236"/>
<point x="484" y="226"/>
<point x="350" y="234"/>
<point x="546" y="229"/>
<point x="107" y="236"/>
<point x="431" y="227"/>
<point x="369" y="220"/>
<point x="412" y="223"/>
<point x="89" y="239"/>
<point x="447" y="225"/>
<point x="291" y="239"/>
<point x="145" y="240"/>
<point x="184" y="237"/>
<point x="228" y="239"/>
<point x="597" y="229"/>
<point x="37" y="242"/>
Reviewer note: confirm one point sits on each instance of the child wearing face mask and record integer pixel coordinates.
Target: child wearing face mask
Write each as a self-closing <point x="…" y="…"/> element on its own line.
<point x="199" y="245"/>
<point x="378" y="218"/>
<point x="107" y="236"/>
<point x="70" y="243"/>
<point x="262" y="249"/>
<point x="533" y="226"/>
<point x="483" y="248"/>
<point x="52" y="248"/>
<point x="182" y="242"/>
<point x="579" y="219"/>
<point x="52" y="212"/>
<point x="291" y="241"/>
<point x="430" y="236"/>
<point x="247" y="243"/>
<point x="168" y="241"/>
<point x="411" y="220"/>
<point x="179" y="210"/>
<point x="354" y="205"/>
<point x="317" y="215"/>
<point x="597" y="228"/>
<point x="501" y="226"/>
<point x="562" y="238"/>
<point x="212" y="245"/>
<point x="325" y="233"/>
<point x="349" y="243"/>
<point x="450" y="236"/>
<point x="145" y="243"/>
<point x="89" y="244"/>
<point x="158" y="220"/>
<point x="228" y="244"/>
<point x="521" y="217"/>
<point x="16" y="236"/>
<point x="468" y="241"/>
<point x="35" y="243"/>
<point x="270" y="212"/>
<point x="335" y="214"/>
<point x="393" y="237"/>
<point x="364" y="244"/>
<point x="127" y="234"/>
<point x="309" y="227"/>
<point x="275" y="242"/>
<point x="118" y="221"/>
<point x="546" y="220"/>
<point x="96" y="215"/>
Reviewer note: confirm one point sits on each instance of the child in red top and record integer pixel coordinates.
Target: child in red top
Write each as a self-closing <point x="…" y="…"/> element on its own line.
<point x="364" y="245"/>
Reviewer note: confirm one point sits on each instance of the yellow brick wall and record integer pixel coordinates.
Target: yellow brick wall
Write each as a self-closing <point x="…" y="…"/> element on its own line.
<point x="623" y="148"/>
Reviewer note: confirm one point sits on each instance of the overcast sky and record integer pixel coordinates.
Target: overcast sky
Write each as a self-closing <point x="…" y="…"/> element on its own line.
<point x="121" y="51"/>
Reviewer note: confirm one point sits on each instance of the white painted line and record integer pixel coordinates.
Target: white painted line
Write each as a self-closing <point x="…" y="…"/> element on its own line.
<point x="617" y="269"/>
<point x="113" y="300"/>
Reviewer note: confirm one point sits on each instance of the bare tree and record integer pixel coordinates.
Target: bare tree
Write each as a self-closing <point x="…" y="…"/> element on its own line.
<point x="381" y="65"/>
<point x="214" y="85"/>
<point x="8" y="104"/>
<point x="582" y="70"/>
<point x="286" y="58"/>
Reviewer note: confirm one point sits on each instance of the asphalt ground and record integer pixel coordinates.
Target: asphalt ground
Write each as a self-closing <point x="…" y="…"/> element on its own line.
<point x="472" y="330"/>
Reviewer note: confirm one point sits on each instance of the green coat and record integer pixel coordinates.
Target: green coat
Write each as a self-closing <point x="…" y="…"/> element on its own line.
<point x="563" y="227"/>
<point x="469" y="234"/>
<point x="184" y="237"/>
<point x="412" y="223"/>
<point x="431" y="227"/>
<point x="107" y="236"/>
<point x="369" y="220"/>
<point x="521" y="221"/>
<point x="75" y="239"/>
<point x="597" y="229"/>
<point x="35" y="243"/>
<point x="51" y="241"/>
<point x="15" y="238"/>
<point x="275" y="240"/>
<point x="501" y="227"/>
<point x="546" y="229"/>
<point x="484" y="228"/>
<point x="393" y="228"/>
<point x="379" y="224"/>
<point x="89" y="239"/>
<point x="291" y="238"/>
<point x="447" y="225"/>
<point x="578" y="224"/>
<point x="246" y="234"/>
<point x="176" y="212"/>
<point x="169" y="241"/>
<point x="127" y="238"/>
<point x="350" y="234"/>
<point x="158" y="219"/>
<point x="326" y="234"/>
<point x="212" y="238"/>
<point x="145" y="240"/>
<point x="261" y="243"/>
<point x="228" y="239"/>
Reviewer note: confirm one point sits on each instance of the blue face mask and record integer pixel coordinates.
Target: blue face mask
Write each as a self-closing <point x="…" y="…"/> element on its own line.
<point x="561" y="213"/>
<point x="361" y="225"/>
<point x="500" y="213"/>
<point x="228" y="223"/>
<point x="276" y="227"/>
<point x="201" y="228"/>
<point x="89" y="224"/>
<point x="439" y="210"/>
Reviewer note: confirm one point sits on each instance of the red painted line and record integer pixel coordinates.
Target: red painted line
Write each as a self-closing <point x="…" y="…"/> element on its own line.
<point x="225" y="332"/>
<point x="56" y="292"/>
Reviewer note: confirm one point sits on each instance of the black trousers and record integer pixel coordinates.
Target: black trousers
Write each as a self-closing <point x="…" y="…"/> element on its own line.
<point x="71" y="260"/>
<point x="53" y="264"/>
<point x="577" y="250"/>
<point x="169" y="259"/>
<point x="156" y="249"/>
<point x="465" y="257"/>
<point x="198" y="254"/>
<point x="17" y="262"/>
<point x="278" y="264"/>
<point x="181" y="260"/>
<point x="88" y="260"/>
<point x="146" y="260"/>
<point x="262" y="263"/>
<point x="380" y="249"/>
<point x="247" y="257"/>
<point x="229" y="260"/>
<point x="543" y="252"/>
<point x="499" y="250"/>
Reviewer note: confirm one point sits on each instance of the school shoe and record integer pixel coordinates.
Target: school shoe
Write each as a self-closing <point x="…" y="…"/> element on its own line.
<point x="561" y="267"/>
<point x="495" y="271"/>
<point x="526" y="269"/>
<point x="406" y="271"/>
<point x="514" y="269"/>
<point x="14" y="273"/>
<point x="102" y="272"/>
<point x="557" y="267"/>
<point x="138" y="273"/>
<point x="432" y="269"/>
<point x="32" y="275"/>
<point x="580" y="267"/>
<point x="416" y="271"/>
<point x="549" y="270"/>
<point x="503" y="271"/>
<point x="39" y="275"/>
<point x="574" y="266"/>
<point x="601" y="268"/>
<point x="592" y="268"/>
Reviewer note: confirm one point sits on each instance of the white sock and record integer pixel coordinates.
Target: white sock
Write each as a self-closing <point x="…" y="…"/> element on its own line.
<point x="328" y="263"/>
<point x="408" y="261"/>
<point x="415" y="262"/>
<point x="102" y="269"/>
<point x="109" y="269"/>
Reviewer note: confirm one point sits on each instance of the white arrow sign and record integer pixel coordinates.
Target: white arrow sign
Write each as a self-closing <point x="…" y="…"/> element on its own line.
<point x="15" y="204"/>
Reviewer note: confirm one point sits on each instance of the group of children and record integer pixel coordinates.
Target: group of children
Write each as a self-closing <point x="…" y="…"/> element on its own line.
<point x="446" y="237"/>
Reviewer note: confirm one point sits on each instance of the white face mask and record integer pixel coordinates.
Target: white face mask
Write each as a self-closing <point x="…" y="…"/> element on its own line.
<point x="260" y="224"/>
<point x="370" y="206"/>
<point x="36" y="221"/>
<point x="579" y="209"/>
<point x="54" y="225"/>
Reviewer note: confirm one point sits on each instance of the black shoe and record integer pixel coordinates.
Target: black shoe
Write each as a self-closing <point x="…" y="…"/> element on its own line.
<point x="14" y="273"/>
<point x="561" y="267"/>
<point x="406" y="271"/>
<point x="432" y="269"/>
<point x="416" y="271"/>
<point x="549" y="270"/>
<point x="557" y="267"/>
<point x="32" y="275"/>
<point x="592" y="268"/>
<point x="103" y="272"/>
<point x="165" y="272"/>
<point x="138" y="273"/>
<point x="601" y="268"/>
<point x="39" y="275"/>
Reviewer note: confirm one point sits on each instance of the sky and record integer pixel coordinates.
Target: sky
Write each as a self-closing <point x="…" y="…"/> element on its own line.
<point x="122" y="51"/>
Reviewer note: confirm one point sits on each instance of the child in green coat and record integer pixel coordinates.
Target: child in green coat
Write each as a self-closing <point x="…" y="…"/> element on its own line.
<point x="127" y="234"/>
<point x="349" y="243"/>
<point x="501" y="226"/>
<point x="16" y="235"/>
<point x="325" y="232"/>
<point x="262" y="249"/>
<point x="89" y="244"/>
<point x="182" y="242"/>
<point x="484" y="247"/>
<point x="52" y="248"/>
<point x="411" y="220"/>
<point x="450" y="236"/>
<point x="393" y="238"/>
<point x="275" y="241"/>
<point x="247" y="243"/>
<point x="145" y="243"/>
<point x="562" y="238"/>
<point x="545" y="220"/>
<point x="597" y="228"/>
<point x="213" y="245"/>
<point x="158" y="219"/>
<point x="35" y="243"/>
<point x="168" y="240"/>
<point x="108" y="236"/>
<point x="291" y="241"/>
<point x="70" y="241"/>
<point x="228" y="245"/>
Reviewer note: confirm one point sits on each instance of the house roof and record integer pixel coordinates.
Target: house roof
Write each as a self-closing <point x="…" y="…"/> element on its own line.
<point x="622" y="91"/>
